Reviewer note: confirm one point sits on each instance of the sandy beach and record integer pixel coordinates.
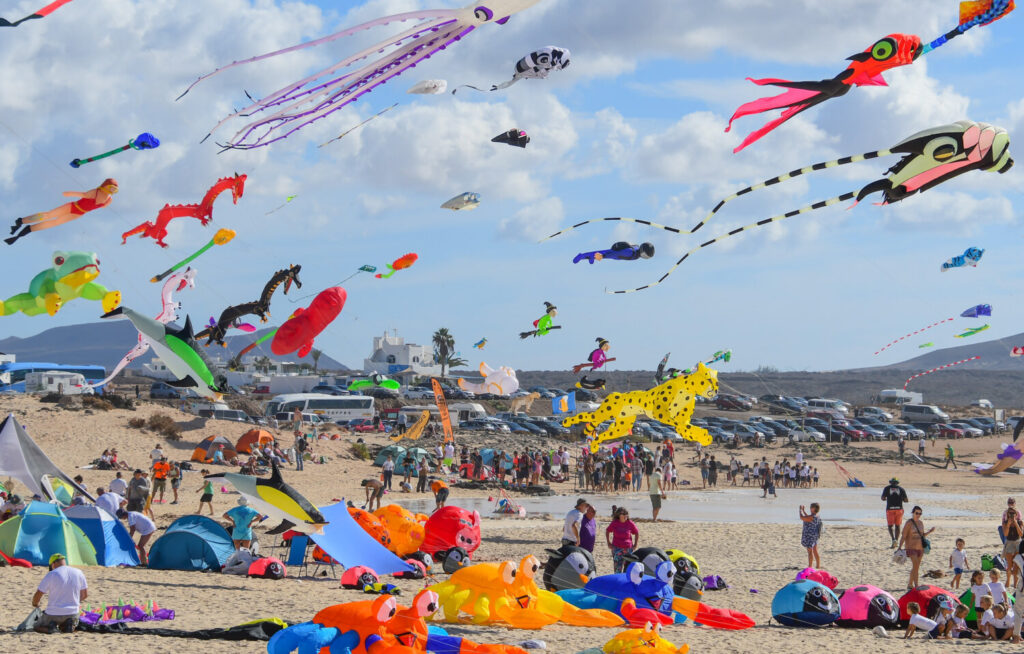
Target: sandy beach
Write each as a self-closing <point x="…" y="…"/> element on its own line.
<point x="753" y="543"/>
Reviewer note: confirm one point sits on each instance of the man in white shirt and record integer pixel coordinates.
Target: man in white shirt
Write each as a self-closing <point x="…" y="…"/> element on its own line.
<point x="67" y="589"/>
<point x="146" y="528"/>
<point x="109" y="502"/>
<point x="573" y="519"/>
<point x="799" y="457"/>
<point x="119" y="486"/>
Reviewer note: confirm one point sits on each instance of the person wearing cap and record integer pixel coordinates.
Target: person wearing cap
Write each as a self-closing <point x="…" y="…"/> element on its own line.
<point x="894" y="496"/>
<point x="138" y="491"/>
<point x="242" y="518"/>
<point x="142" y="524"/>
<point x="573" y="520"/>
<point x="67" y="588"/>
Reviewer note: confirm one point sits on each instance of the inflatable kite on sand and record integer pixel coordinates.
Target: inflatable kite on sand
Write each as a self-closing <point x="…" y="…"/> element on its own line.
<point x="401" y="263"/>
<point x="1004" y="460"/>
<point x="867" y="606"/>
<point x="229" y="318"/>
<point x="87" y="201"/>
<point x="974" y="312"/>
<point x="70" y="276"/>
<point x="299" y="331"/>
<point x="275" y="498"/>
<point x="450" y="527"/>
<point x="805" y="604"/>
<point x="536" y="65"/>
<point x="222" y="237"/>
<point x="320" y="94"/>
<point x="931" y="157"/>
<point x="670" y="403"/>
<point x="203" y="211"/>
<point x="643" y="640"/>
<point x="970" y="257"/>
<point x="144" y="141"/>
<point x="502" y="381"/>
<point x="865" y="70"/>
<point x="40" y="13"/>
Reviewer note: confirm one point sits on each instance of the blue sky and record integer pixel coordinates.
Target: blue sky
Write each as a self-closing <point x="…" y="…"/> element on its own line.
<point x="632" y="128"/>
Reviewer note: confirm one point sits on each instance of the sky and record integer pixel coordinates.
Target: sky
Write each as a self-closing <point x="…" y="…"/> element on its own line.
<point x="633" y="127"/>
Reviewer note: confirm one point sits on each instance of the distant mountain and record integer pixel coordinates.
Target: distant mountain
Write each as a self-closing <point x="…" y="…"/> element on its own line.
<point x="995" y="355"/>
<point x="104" y="343"/>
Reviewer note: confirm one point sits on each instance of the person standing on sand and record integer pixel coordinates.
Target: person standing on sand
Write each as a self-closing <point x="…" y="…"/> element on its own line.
<point x="572" y="525"/>
<point x="657" y="495"/>
<point x="588" y="529"/>
<point x="712" y="472"/>
<point x="143" y="525"/>
<point x="704" y="471"/>
<point x="914" y="542"/>
<point x="811" y="533"/>
<point x="374" y="492"/>
<point x="207" y="496"/>
<point x="949" y="456"/>
<point x="242" y="519"/>
<point x="894" y="496"/>
<point x="902" y="444"/>
<point x="138" y="491"/>
<point x="160" y="471"/>
<point x="622" y="537"/>
<point x="421" y="479"/>
<point x="1013" y="530"/>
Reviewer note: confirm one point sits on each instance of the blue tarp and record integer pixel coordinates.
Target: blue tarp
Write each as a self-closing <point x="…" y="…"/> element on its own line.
<point x="192" y="542"/>
<point x="350" y="546"/>
<point x="106" y="533"/>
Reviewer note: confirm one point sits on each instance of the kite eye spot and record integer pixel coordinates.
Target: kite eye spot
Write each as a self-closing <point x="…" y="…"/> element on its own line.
<point x="483" y="13"/>
<point x="60" y="261"/>
<point x="942" y="148"/>
<point x="884" y="49"/>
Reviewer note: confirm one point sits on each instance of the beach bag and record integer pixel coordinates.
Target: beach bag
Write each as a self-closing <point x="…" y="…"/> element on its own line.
<point x="715" y="582"/>
<point x="998" y="562"/>
<point x="986" y="562"/>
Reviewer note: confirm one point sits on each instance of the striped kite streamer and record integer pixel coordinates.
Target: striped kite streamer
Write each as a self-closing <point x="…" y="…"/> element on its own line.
<point x="913" y="333"/>
<point x="928" y="372"/>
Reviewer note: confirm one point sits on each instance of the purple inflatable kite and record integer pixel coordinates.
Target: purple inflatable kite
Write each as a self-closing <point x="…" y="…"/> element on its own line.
<point x="867" y="606"/>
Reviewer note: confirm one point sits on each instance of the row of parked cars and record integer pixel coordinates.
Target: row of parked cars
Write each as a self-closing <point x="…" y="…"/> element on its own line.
<point x="519" y="423"/>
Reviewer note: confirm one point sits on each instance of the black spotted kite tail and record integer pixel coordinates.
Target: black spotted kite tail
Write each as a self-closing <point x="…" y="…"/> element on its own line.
<point x="41" y="13"/>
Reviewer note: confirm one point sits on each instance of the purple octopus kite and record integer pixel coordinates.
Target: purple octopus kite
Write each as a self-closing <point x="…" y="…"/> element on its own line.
<point x="293" y="107"/>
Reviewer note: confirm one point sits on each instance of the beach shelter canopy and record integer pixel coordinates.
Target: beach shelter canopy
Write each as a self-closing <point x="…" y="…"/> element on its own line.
<point x="488" y="454"/>
<point x="348" y="544"/>
<point x="22" y="460"/>
<point x="204" y="451"/>
<point x="42" y="530"/>
<point x="192" y="542"/>
<point x="108" y="536"/>
<point x="258" y="437"/>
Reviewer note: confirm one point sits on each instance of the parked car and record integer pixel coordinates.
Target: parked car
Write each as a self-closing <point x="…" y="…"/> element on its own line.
<point x="499" y="425"/>
<point x="418" y="393"/>
<point x="995" y="425"/>
<point x="853" y="433"/>
<point x="732" y="402"/>
<point x="162" y="391"/>
<point x="784" y="406"/>
<point x="806" y="435"/>
<point x="982" y="403"/>
<point x="583" y="394"/>
<point x="231" y="415"/>
<point x="874" y="412"/>
<point x="544" y="392"/>
<point x="720" y="435"/>
<point x="329" y="389"/>
<point x="478" y="425"/>
<point x="923" y="413"/>
<point x="893" y="432"/>
<point x="969" y="430"/>
<point x="942" y="430"/>
<point x="285" y="418"/>
<point x="987" y="428"/>
<point x="528" y="426"/>
<point x="911" y="430"/>
<point x="380" y="392"/>
<point x="359" y="424"/>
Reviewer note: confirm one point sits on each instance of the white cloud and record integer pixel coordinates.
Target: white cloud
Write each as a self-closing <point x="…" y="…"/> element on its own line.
<point x="535" y="221"/>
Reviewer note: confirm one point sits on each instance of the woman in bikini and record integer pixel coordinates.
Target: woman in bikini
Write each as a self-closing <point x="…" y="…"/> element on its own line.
<point x="88" y="201"/>
<point x="912" y="541"/>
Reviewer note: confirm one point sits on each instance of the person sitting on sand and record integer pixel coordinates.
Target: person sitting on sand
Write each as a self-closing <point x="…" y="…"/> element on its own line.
<point x="117" y="465"/>
<point x="218" y="456"/>
<point x="918" y="621"/>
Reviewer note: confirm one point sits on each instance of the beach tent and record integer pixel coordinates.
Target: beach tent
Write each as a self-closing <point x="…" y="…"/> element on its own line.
<point x="258" y="437"/>
<point x="192" y="542"/>
<point x="22" y="460"/>
<point x="396" y="452"/>
<point x="204" y="451"/>
<point x="348" y="544"/>
<point x="108" y="536"/>
<point x="42" y="530"/>
<point x="488" y="454"/>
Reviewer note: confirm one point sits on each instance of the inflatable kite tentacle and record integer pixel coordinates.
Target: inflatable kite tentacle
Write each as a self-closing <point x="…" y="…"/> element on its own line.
<point x="822" y="165"/>
<point x="638" y="221"/>
<point x="306" y="638"/>
<point x="796" y="212"/>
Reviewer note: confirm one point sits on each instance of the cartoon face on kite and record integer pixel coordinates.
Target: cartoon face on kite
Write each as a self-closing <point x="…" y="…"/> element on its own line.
<point x="231" y="316"/>
<point x="620" y="251"/>
<point x="653" y="594"/>
<point x="502" y="381"/>
<point x="203" y="211"/>
<point x="568" y="567"/>
<point x="805" y="604"/>
<point x="299" y="331"/>
<point x="514" y="137"/>
<point x="87" y="201"/>
<point x="643" y="640"/>
<point x="401" y="263"/>
<point x="320" y="94"/>
<point x="463" y="202"/>
<point x="70" y="276"/>
<point x="536" y="65"/>
<point x="970" y="257"/>
<point x="931" y="157"/>
<point x="452" y="526"/>
<point x="275" y="498"/>
<point x="867" y="606"/>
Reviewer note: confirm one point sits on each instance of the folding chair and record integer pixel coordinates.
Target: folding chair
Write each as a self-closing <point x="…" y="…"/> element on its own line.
<point x="298" y="547"/>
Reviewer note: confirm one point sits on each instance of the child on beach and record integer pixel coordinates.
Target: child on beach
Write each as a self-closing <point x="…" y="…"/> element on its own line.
<point x="996" y="588"/>
<point x="958" y="562"/>
<point x="979" y="589"/>
<point x="918" y="621"/>
<point x="959" y="628"/>
<point x="985" y="615"/>
<point x="207" y="494"/>
<point x="810" y="534"/>
<point x="1001" y="625"/>
<point x="945" y="621"/>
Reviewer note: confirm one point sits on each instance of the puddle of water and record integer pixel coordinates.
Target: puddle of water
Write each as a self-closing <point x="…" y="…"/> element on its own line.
<point x="852" y="506"/>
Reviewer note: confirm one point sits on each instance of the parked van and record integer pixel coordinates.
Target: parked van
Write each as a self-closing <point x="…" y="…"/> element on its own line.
<point x="923" y="413"/>
<point x="833" y="405"/>
<point x="56" y="381"/>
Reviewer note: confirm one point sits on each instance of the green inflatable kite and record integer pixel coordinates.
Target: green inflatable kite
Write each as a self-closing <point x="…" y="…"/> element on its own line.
<point x="70" y="277"/>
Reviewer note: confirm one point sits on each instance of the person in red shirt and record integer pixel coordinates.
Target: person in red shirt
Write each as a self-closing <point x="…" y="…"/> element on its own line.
<point x="91" y="200"/>
<point x="622" y="537"/>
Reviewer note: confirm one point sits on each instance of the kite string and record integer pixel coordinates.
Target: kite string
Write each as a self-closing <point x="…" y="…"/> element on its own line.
<point x="928" y="372"/>
<point x="915" y="332"/>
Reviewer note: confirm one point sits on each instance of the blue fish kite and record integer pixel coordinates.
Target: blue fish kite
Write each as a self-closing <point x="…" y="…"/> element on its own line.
<point x="970" y="257"/>
<point x="977" y="311"/>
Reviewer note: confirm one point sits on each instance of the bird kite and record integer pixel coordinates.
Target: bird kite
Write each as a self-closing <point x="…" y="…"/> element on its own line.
<point x="320" y="94"/>
<point x="620" y="251"/>
<point x="928" y="372"/>
<point x="222" y="237"/>
<point x="401" y="263"/>
<point x="974" y="312"/>
<point x="536" y="65"/>
<point x="543" y="324"/>
<point x="591" y="384"/>
<point x="352" y="129"/>
<point x="87" y="201"/>
<point x="971" y="331"/>
<point x="930" y="157"/>
<point x="514" y="137"/>
<point x="865" y="69"/>
<point x="203" y="211"/>
<point x="463" y="202"/>
<point x="144" y="141"/>
<point x="429" y="87"/>
<point x="40" y="13"/>
<point x="229" y="318"/>
<point x="970" y="257"/>
<point x="480" y="344"/>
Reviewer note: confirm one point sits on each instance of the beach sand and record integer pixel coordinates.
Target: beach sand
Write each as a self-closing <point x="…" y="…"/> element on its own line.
<point x="734" y="533"/>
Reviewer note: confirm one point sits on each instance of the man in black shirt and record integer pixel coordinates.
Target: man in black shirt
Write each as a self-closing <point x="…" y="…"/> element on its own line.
<point x="894" y="496"/>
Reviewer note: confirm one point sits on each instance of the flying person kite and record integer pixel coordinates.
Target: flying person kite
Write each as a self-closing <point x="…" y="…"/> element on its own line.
<point x="597" y="357"/>
<point x="865" y="69"/>
<point x="970" y="257"/>
<point x="401" y="263"/>
<point x="543" y="324"/>
<point x="320" y="94"/>
<point x="620" y="251"/>
<point x="144" y="141"/>
<point x="97" y="198"/>
<point x="536" y="65"/>
<point x="930" y="157"/>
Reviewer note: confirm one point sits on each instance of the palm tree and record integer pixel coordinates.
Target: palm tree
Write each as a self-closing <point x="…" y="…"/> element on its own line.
<point x="455" y="361"/>
<point x="316" y="354"/>
<point x="444" y="345"/>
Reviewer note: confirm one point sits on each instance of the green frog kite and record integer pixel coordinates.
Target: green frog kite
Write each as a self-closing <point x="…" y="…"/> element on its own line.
<point x="70" y="277"/>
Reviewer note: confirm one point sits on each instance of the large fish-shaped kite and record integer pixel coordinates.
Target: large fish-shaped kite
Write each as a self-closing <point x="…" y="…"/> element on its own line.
<point x="930" y="157"/>
<point x="275" y="498"/>
<point x="320" y="94"/>
<point x="865" y="69"/>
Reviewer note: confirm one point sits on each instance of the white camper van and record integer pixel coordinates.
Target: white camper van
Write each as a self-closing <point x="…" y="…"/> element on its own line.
<point x="55" y="381"/>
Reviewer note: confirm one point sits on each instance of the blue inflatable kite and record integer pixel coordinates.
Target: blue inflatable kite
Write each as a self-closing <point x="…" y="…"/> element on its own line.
<point x="977" y="311"/>
<point x="970" y="257"/>
<point x="805" y="603"/>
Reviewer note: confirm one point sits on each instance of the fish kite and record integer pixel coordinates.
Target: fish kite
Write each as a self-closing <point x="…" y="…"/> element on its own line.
<point x="320" y="94"/>
<point x="931" y="156"/>
<point x="144" y="141"/>
<point x="620" y="251"/>
<point x="974" y="312"/>
<point x="928" y="372"/>
<point x="515" y="137"/>
<point x="352" y="129"/>
<point x="543" y="324"/>
<point x="480" y="344"/>
<point x="222" y="237"/>
<point x="536" y="65"/>
<point x="298" y="332"/>
<point x="70" y="276"/>
<point x="261" y="307"/>
<point x="971" y="332"/>
<point x="203" y="211"/>
<point x="179" y="351"/>
<point x="401" y="263"/>
<point x="376" y="380"/>
<point x="282" y="206"/>
<point x="429" y="87"/>
<point x="274" y="498"/>
<point x="866" y="69"/>
<point x="970" y="257"/>
<point x="97" y="198"/>
<point x="463" y="202"/>
<point x="597" y="357"/>
<point x="40" y="13"/>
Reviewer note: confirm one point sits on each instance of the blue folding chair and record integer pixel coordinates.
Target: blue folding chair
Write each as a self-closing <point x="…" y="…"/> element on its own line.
<point x="297" y="549"/>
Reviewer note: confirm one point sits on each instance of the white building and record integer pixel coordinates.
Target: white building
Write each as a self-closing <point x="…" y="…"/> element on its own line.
<point x="394" y="357"/>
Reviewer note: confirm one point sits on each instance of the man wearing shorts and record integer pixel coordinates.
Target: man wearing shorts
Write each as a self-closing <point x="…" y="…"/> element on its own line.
<point x="656" y="494"/>
<point x="894" y="496"/>
<point x="440" y="490"/>
<point x="160" y="471"/>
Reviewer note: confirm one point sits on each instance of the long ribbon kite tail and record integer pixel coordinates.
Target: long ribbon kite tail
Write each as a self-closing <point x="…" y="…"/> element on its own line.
<point x="638" y="221"/>
<point x="249" y="348"/>
<point x="349" y="131"/>
<point x="796" y="212"/>
<point x="935" y="324"/>
<point x="790" y="175"/>
<point x="973" y="13"/>
<point x="928" y="372"/>
<point x="42" y="13"/>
